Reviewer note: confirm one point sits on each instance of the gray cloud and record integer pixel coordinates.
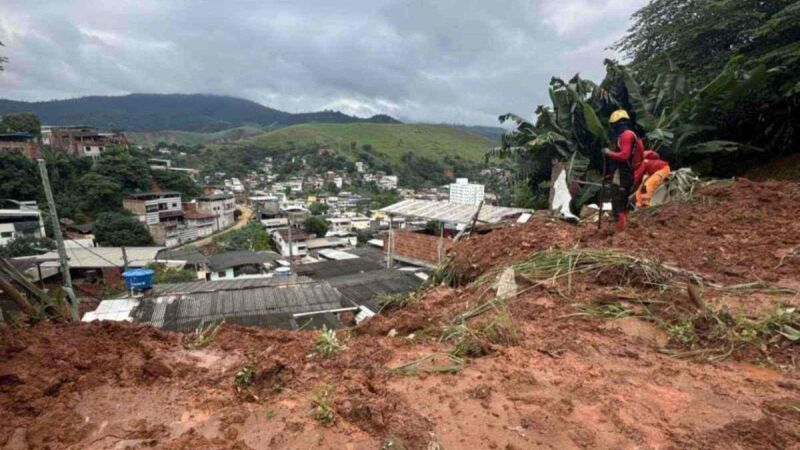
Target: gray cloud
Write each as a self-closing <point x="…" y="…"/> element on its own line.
<point x="447" y="60"/>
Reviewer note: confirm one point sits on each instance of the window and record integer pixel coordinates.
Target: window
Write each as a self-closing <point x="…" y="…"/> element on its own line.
<point x="7" y="234"/>
<point x="221" y="274"/>
<point x="174" y="205"/>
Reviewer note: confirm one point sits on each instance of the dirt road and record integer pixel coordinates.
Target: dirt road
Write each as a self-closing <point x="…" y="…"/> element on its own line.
<point x="243" y="219"/>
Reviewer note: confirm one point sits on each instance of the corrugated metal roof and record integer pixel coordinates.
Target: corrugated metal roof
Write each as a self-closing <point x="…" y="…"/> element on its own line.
<point x="190" y="254"/>
<point x="98" y="257"/>
<point x="227" y="260"/>
<point x="224" y="285"/>
<point x="271" y="307"/>
<point x="365" y="289"/>
<point x="451" y="212"/>
<point x="329" y="269"/>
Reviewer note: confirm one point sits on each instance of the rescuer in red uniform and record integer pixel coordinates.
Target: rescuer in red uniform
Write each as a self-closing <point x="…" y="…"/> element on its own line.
<point x="649" y="176"/>
<point x="624" y="161"/>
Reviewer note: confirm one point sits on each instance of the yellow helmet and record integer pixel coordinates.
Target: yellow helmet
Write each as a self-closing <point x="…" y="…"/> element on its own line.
<point x="618" y="115"/>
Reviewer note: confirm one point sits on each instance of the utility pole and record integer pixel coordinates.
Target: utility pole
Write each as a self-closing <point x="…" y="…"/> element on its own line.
<point x="62" y="251"/>
<point x="124" y="260"/>
<point x="291" y="245"/>
<point x="390" y="245"/>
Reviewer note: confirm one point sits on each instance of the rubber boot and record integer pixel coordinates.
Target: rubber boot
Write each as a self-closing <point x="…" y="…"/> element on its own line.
<point x="622" y="220"/>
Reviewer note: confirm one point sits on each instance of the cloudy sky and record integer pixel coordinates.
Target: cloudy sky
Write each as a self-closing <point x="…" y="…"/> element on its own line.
<point x="464" y="61"/>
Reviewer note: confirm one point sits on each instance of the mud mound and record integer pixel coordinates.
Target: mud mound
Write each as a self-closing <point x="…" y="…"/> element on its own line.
<point x="729" y="231"/>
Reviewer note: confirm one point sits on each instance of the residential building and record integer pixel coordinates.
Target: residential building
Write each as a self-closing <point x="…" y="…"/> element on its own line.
<point x="22" y="220"/>
<point x="222" y="206"/>
<point x="275" y="224"/>
<point x="202" y="221"/>
<point x="360" y="166"/>
<point x="166" y="164"/>
<point x="25" y="143"/>
<point x="295" y="213"/>
<point x="163" y="214"/>
<point x="299" y="238"/>
<point x="428" y="249"/>
<point x="462" y="192"/>
<point x="339" y="224"/>
<point x="241" y="264"/>
<point x="388" y="182"/>
<point x="81" y="140"/>
<point x="150" y="207"/>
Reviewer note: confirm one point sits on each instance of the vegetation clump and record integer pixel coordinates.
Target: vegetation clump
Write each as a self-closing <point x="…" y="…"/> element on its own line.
<point x="322" y="408"/>
<point x="327" y="343"/>
<point x="244" y="377"/>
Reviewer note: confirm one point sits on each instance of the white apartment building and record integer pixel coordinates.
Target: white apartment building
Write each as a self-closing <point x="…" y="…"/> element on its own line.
<point x="462" y="192"/>
<point x="25" y="221"/>
<point x="299" y="245"/>
<point x="388" y="182"/>
<point x="222" y="206"/>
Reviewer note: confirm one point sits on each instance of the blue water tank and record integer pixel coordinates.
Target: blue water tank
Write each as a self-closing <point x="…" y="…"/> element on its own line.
<point x="138" y="279"/>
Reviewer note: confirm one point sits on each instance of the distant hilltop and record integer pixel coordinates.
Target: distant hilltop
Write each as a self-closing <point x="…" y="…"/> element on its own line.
<point x="187" y="112"/>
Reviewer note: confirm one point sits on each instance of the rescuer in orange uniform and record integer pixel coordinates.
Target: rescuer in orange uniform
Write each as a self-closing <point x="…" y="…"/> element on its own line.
<point x="649" y="176"/>
<point x="624" y="161"/>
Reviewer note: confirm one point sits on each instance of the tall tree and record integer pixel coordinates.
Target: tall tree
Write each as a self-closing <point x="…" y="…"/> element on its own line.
<point x="170" y="180"/>
<point x="23" y="122"/>
<point x="117" y="229"/>
<point x="131" y="172"/>
<point x="19" y="178"/>
<point x="100" y="194"/>
<point x="698" y="37"/>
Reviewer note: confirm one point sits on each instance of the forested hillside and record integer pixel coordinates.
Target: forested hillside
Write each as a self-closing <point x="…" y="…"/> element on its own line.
<point x="153" y="112"/>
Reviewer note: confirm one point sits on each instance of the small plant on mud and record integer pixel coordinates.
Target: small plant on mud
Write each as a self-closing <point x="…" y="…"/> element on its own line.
<point x="682" y="332"/>
<point x="606" y="311"/>
<point x="785" y="323"/>
<point x="475" y="341"/>
<point x="327" y="343"/>
<point x="322" y="405"/>
<point x="204" y="335"/>
<point x="389" y="302"/>
<point x="433" y="363"/>
<point x="244" y="377"/>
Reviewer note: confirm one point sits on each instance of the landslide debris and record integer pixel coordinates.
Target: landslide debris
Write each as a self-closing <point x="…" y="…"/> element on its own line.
<point x="669" y="336"/>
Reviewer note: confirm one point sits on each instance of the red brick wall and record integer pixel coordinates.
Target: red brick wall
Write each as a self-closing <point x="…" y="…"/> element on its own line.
<point x="424" y="247"/>
<point x="112" y="277"/>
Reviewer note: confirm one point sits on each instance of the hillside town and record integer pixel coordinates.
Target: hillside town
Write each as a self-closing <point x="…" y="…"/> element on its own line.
<point x="400" y="225"/>
<point x="402" y="242"/>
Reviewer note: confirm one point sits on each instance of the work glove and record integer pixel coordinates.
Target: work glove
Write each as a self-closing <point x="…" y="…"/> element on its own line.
<point x="606" y="151"/>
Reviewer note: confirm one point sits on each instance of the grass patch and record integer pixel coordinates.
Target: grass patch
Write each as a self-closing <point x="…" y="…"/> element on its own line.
<point x="428" y="364"/>
<point x="244" y="377"/>
<point x="389" y="302"/>
<point x="607" y="266"/>
<point x="204" y="335"/>
<point x="327" y="343"/>
<point x="322" y="408"/>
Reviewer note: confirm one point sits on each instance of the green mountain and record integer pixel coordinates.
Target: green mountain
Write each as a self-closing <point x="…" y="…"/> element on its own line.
<point x="153" y="112"/>
<point x="193" y="138"/>
<point x="434" y="142"/>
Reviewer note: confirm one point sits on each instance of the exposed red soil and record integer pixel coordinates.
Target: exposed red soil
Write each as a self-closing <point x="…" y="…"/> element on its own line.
<point x="568" y="382"/>
<point x="734" y="231"/>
